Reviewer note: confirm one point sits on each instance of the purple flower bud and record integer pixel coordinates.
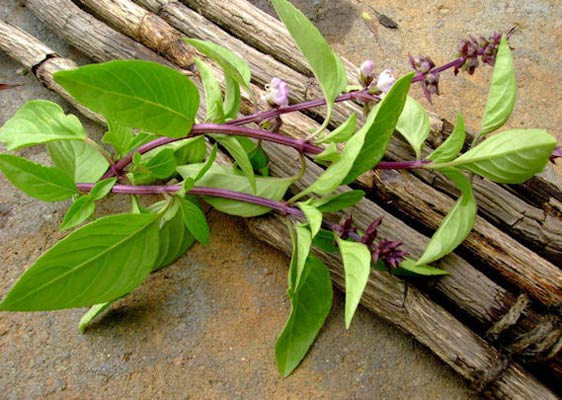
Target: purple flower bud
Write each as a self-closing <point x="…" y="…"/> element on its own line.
<point x="386" y="79"/>
<point x="367" y="73"/>
<point x="277" y="93"/>
<point x="557" y="153"/>
<point x="389" y="252"/>
<point x="345" y="227"/>
<point x="371" y="232"/>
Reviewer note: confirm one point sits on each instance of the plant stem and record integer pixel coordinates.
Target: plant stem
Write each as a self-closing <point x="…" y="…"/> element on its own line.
<point x="279" y="206"/>
<point x="200" y="129"/>
<point x="262" y="115"/>
<point x="402" y="164"/>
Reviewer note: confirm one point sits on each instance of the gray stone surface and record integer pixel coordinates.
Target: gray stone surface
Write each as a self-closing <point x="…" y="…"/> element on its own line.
<point x="206" y="326"/>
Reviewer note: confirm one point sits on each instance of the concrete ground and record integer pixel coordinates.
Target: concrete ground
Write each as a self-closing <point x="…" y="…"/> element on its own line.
<point x="206" y="326"/>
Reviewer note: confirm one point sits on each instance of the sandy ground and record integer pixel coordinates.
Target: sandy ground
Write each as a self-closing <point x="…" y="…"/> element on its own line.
<point x="206" y="326"/>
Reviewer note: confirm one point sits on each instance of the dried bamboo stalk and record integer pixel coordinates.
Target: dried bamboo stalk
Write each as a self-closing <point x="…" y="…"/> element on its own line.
<point x="542" y="231"/>
<point x="476" y="302"/>
<point x="263" y="32"/>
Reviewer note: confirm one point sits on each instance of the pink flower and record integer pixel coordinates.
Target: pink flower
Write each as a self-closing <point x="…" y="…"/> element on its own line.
<point x="277" y="93"/>
<point x="367" y="73"/>
<point x="387" y="78"/>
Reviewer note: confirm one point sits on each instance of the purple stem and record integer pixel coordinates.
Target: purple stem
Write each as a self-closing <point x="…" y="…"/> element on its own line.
<point x="262" y="115"/>
<point x="401" y="164"/>
<point x="278" y="206"/>
<point x="200" y="129"/>
<point x="420" y="76"/>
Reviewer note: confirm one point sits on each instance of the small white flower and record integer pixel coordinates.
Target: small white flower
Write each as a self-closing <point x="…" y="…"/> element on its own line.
<point x="387" y="78"/>
<point x="277" y="93"/>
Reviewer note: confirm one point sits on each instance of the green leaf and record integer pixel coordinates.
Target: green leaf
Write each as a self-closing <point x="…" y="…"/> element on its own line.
<point x="213" y="92"/>
<point x="378" y="135"/>
<point x="118" y="136"/>
<point x="501" y="97"/>
<point x="195" y="220"/>
<point x="102" y="188"/>
<point x="365" y="149"/>
<point x="332" y="178"/>
<point x="357" y="265"/>
<point x="339" y="201"/>
<point x="137" y="94"/>
<point x="232" y="98"/>
<point x="92" y="313"/>
<point x="424" y="270"/>
<point x="43" y="183"/>
<point x="207" y="165"/>
<point x="190" y="151"/>
<point x="226" y="178"/>
<point x="80" y="161"/>
<point x="175" y="240"/>
<point x="310" y="306"/>
<point x="324" y="63"/>
<point x="453" y="145"/>
<point x="303" y="241"/>
<point x="140" y="139"/>
<point x="40" y="121"/>
<point x="235" y="149"/>
<point x="232" y="65"/>
<point x="96" y="263"/>
<point x="343" y="132"/>
<point x="257" y="156"/>
<point x="458" y="223"/>
<point x="162" y="165"/>
<point x="313" y="216"/>
<point x="507" y="157"/>
<point x="325" y="241"/>
<point x="82" y="208"/>
<point x="330" y="153"/>
<point x="414" y="125"/>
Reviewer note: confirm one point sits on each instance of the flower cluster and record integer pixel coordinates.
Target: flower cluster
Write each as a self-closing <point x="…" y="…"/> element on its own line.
<point x="425" y="68"/>
<point x="384" y="82"/>
<point x="384" y="250"/>
<point x="473" y="50"/>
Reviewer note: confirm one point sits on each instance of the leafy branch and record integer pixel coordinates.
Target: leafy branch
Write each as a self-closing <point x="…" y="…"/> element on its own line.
<point x="158" y="147"/>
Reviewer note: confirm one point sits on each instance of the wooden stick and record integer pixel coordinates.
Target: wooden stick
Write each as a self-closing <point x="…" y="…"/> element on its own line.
<point x="301" y="124"/>
<point x="498" y="313"/>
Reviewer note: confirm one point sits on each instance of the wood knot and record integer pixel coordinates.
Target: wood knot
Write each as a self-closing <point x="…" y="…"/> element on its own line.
<point x="541" y="343"/>
<point x="509" y="319"/>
